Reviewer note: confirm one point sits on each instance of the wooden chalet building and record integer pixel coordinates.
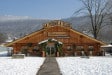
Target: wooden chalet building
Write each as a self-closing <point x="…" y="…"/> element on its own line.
<point x="57" y="38"/>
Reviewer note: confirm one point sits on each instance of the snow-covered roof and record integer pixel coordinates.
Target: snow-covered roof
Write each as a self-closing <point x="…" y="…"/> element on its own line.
<point x="51" y="40"/>
<point x="107" y="46"/>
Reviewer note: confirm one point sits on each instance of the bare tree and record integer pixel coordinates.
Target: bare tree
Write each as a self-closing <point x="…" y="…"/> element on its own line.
<point x="97" y="10"/>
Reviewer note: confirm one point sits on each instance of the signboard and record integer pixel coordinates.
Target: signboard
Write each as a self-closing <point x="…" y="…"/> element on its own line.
<point x="57" y="34"/>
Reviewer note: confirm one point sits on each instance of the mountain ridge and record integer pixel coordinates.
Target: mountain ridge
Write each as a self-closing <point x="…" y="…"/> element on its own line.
<point x="19" y="26"/>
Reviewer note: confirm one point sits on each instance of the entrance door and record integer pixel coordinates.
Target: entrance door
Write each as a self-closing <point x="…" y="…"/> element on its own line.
<point x="50" y="51"/>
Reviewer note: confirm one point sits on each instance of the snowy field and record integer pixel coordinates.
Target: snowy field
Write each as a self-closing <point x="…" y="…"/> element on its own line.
<point x="68" y="65"/>
<point x="85" y="66"/>
<point x="26" y="66"/>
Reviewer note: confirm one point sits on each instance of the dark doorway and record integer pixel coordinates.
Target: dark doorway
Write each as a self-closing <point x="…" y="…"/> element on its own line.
<point x="50" y="51"/>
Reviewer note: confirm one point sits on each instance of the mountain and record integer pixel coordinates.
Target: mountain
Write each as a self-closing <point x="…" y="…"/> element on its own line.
<point x="78" y="22"/>
<point x="19" y="26"/>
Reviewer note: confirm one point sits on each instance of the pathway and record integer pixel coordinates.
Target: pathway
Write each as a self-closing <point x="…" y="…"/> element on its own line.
<point x="49" y="67"/>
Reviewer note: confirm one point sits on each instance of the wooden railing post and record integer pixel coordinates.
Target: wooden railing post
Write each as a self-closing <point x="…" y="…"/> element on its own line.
<point x="43" y="53"/>
<point x="57" y="54"/>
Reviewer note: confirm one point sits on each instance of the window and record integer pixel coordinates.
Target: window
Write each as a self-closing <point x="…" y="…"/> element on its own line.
<point x="69" y="48"/>
<point x="79" y="48"/>
<point x="91" y="48"/>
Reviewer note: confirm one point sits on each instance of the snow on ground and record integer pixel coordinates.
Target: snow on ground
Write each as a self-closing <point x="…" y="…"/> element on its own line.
<point x="85" y="66"/>
<point x="26" y="66"/>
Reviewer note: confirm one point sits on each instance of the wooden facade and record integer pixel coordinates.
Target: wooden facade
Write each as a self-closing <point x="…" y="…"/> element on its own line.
<point x="70" y="42"/>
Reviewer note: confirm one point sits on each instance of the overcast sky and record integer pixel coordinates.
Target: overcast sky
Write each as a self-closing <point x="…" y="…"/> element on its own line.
<point x="41" y="9"/>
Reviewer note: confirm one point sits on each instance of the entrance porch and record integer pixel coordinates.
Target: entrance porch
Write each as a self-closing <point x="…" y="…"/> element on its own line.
<point x="51" y="48"/>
